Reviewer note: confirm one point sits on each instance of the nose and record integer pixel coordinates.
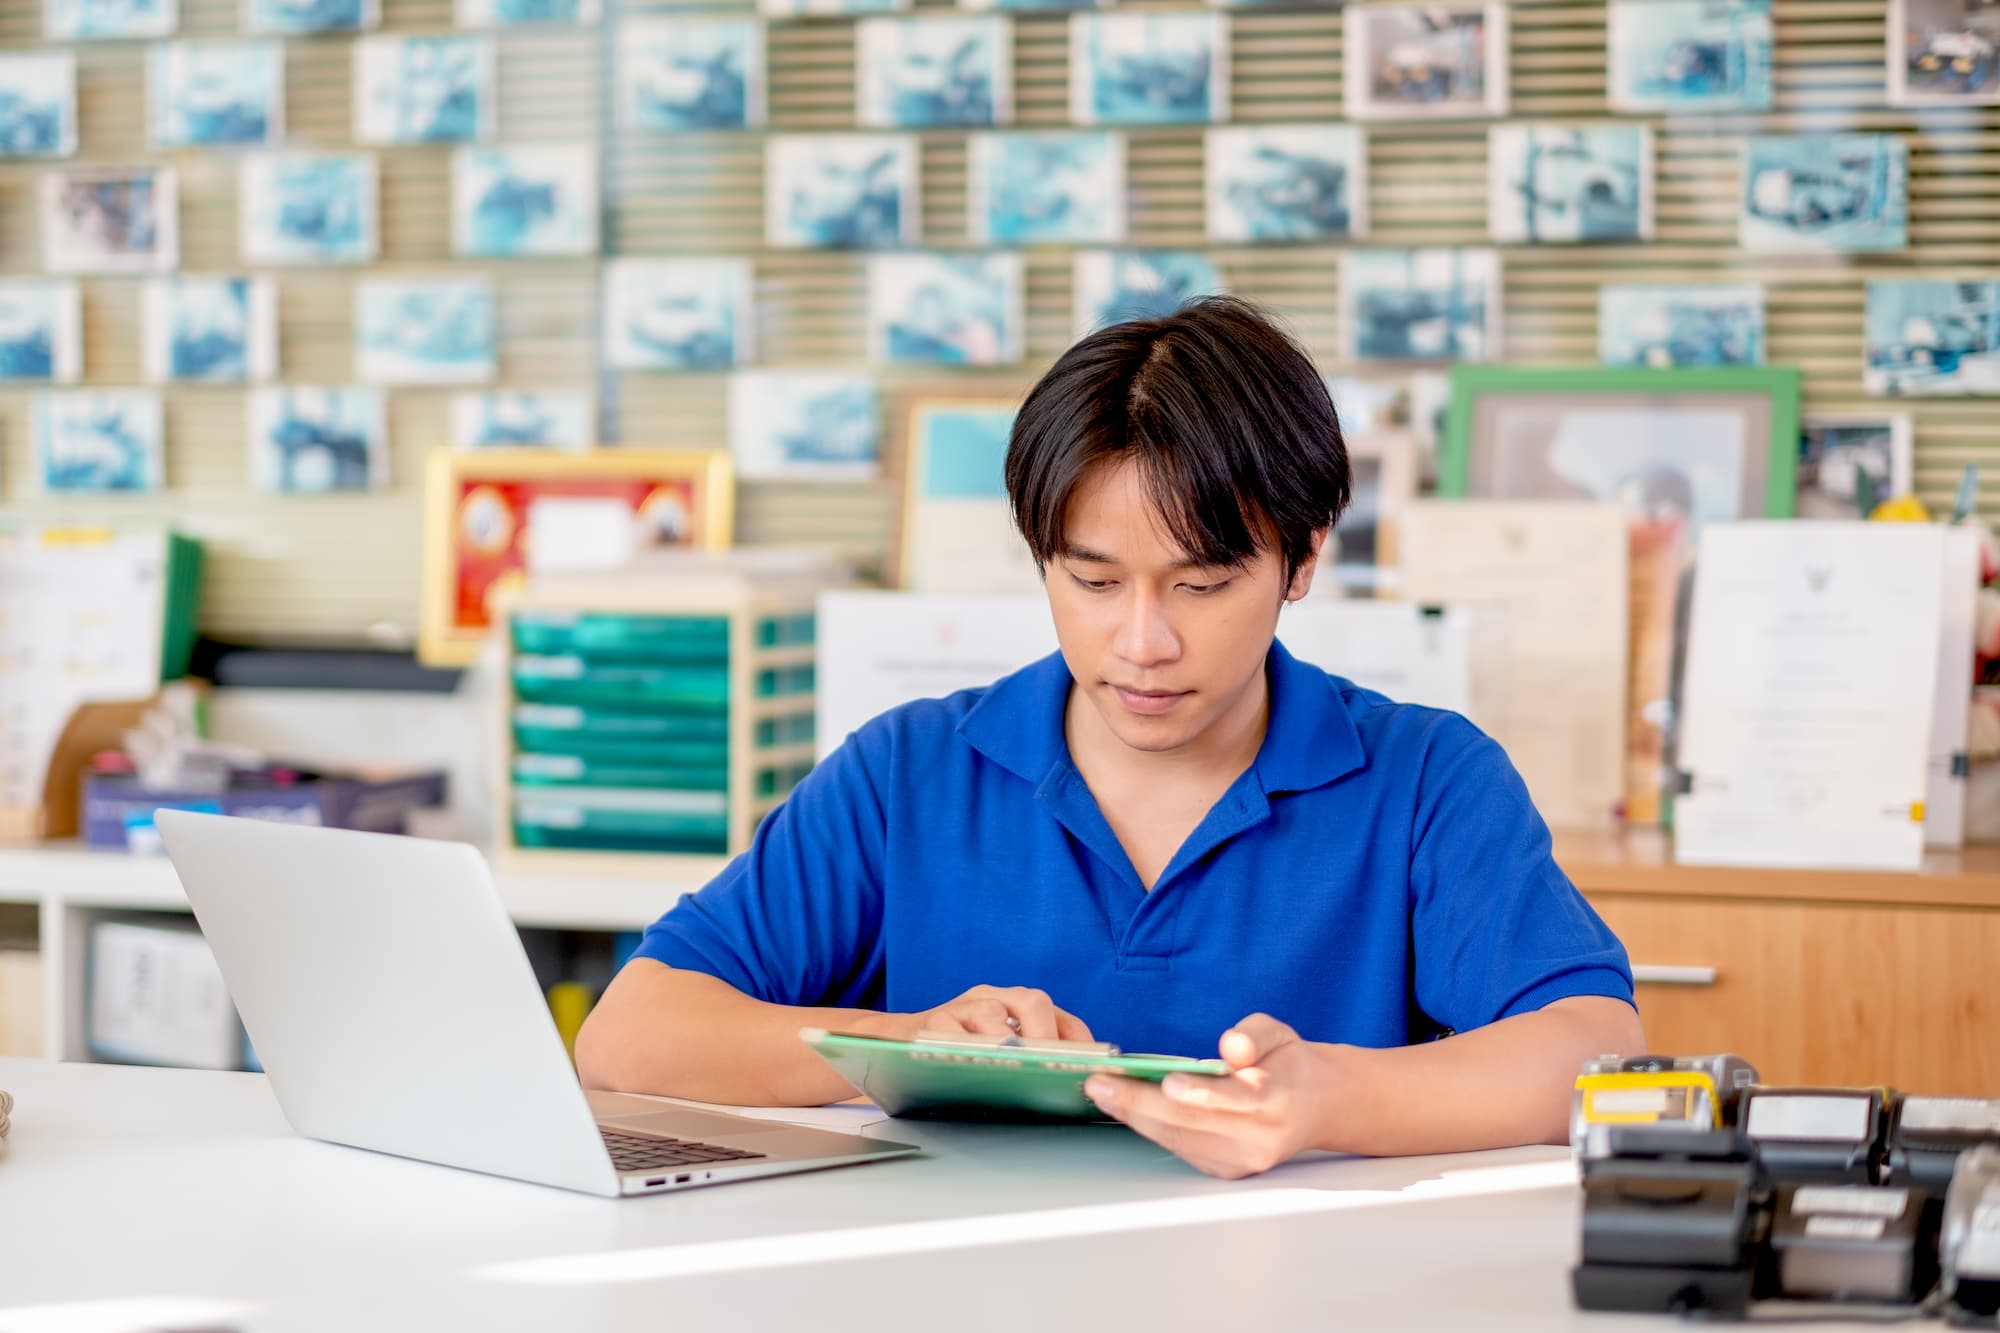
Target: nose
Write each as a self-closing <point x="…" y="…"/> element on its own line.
<point x="1145" y="637"/>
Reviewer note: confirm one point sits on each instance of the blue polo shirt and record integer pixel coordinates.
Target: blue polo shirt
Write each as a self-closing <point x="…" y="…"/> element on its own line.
<point x="1378" y="873"/>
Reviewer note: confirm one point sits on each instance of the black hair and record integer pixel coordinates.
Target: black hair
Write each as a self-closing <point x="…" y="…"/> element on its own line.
<point x="1232" y="428"/>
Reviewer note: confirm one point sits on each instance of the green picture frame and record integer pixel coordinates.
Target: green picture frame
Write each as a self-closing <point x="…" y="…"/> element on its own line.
<point x="1459" y="465"/>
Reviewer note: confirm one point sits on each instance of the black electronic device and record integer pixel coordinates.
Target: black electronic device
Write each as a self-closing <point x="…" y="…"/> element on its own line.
<point x="1969" y="1244"/>
<point x="1851" y="1243"/>
<point x="1927" y="1135"/>
<point x="1815" y="1136"/>
<point x="1672" y="1233"/>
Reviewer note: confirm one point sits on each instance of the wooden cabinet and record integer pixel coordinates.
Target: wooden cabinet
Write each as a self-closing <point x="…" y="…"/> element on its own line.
<point x="1846" y="979"/>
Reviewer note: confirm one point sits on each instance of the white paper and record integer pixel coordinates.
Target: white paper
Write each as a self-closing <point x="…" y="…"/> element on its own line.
<point x="1809" y="695"/>
<point x="579" y="534"/>
<point x="157" y="996"/>
<point x="1558" y="569"/>
<point x="1951" y="719"/>
<point x="1413" y="654"/>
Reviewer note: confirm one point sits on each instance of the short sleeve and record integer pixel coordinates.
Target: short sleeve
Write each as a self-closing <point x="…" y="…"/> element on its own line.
<point x="796" y="919"/>
<point x="1497" y="929"/>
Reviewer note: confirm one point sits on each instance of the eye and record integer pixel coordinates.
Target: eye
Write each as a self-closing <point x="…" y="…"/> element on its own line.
<point x="1204" y="589"/>
<point x="1090" y="585"/>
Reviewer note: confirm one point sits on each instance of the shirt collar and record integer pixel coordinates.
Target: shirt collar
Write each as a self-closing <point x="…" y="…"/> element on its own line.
<point x="1310" y="740"/>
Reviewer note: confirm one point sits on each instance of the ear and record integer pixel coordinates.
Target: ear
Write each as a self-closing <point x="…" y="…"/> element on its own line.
<point x="1302" y="581"/>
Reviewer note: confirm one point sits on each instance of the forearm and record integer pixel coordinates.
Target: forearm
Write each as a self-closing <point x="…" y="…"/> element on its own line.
<point x="675" y="1033"/>
<point x="1500" y="1086"/>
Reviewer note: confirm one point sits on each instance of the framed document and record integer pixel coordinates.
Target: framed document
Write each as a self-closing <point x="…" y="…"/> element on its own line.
<point x="1810" y="693"/>
<point x="1558" y="570"/>
<point x="1675" y="449"/>
<point x="957" y="532"/>
<point x="478" y="507"/>
<point x="1359" y="558"/>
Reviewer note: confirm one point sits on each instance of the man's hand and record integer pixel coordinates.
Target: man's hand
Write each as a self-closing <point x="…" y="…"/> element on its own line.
<point x="1000" y="1010"/>
<point x="1266" y="1110"/>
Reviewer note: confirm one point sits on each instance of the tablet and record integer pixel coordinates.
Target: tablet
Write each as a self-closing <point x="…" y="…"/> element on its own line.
<point x="967" y="1077"/>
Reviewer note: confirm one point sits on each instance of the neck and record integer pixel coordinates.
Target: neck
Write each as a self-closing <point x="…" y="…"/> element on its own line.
<point x="1226" y="747"/>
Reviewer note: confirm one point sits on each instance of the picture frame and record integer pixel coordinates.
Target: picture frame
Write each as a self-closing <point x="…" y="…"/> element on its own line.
<point x="1279" y="183"/>
<point x="524" y="202"/>
<point x="1425" y="61"/>
<point x="1675" y="449"/>
<point x="41" y="331"/>
<point x="1570" y="184"/>
<point x="100" y="442"/>
<point x="1835" y="449"/>
<point x="1825" y="193"/>
<point x="524" y="419"/>
<point x="678" y="314"/>
<point x="477" y="506"/>
<point x="955" y="530"/>
<point x="1943" y="53"/>
<point x="37" y="104"/>
<point x="1163" y="68"/>
<point x="1359" y="558"/>
<point x="1423" y="305"/>
<point x="1690" y="55"/>
<point x="216" y="94"/>
<point x="934" y="71"/>
<point x="1664" y="326"/>
<point x="1046" y="187"/>
<point x="423" y="90"/>
<point x="425" y="331"/>
<point x="841" y="191"/>
<point x="210" y="330"/>
<point x="796" y="9"/>
<point x="805" y="425"/>
<point x="308" y="208"/>
<point x="304" y="18"/>
<point x="110" y="220"/>
<point x="1931" y="338"/>
<point x="1112" y="286"/>
<point x="526" y="13"/>
<point x="700" y="72"/>
<point x="108" y="20"/>
<point x="316" y="439"/>
<point x="964" y="309"/>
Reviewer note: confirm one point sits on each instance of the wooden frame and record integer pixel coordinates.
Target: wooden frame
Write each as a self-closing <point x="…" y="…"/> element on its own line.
<point x="458" y="580"/>
<point x="1396" y="453"/>
<point x="908" y="569"/>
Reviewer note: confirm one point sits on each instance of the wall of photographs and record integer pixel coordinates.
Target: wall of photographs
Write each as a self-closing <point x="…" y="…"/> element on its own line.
<point x="333" y="565"/>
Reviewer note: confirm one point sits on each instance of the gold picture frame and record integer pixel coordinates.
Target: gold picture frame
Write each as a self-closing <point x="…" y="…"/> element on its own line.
<point x="476" y="510"/>
<point x="954" y="531"/>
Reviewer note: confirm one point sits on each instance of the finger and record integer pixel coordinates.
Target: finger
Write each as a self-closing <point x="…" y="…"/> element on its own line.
<point x="1242" y="1093"/>
<point x="1134" y="1100"/>
<point x="1036" y="1012"/>
<point x="942" y="1020"/>
<point x="1071" y="1028"/>
<point x="986" y="1016"/>
<point x="1215" y="1152"/>
<point x="1253" y="1040"/>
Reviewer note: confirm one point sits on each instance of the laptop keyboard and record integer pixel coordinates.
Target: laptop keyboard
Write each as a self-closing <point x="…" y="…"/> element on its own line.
<point x="642" y="1152"/>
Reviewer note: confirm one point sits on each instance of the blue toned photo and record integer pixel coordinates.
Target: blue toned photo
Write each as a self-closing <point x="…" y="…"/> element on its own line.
<point x="110" y="220"/>
<point x="1690" y="55"/>
<point x="542" y="419"/>
<point x="76" y="20"/>
<point x="677" y="314"/>
<point x="1040" y="187"/>
<point x="1847" y="465"/>
<point x="41" y="326"/>
<point x="297" y="18"/>
<point x="214" y="330"/>
<point x="1932" y="338"/>
<point x="217" y="94"/>
<point x="1425" y="61"/>
<point x="787" y="425"/>
<point x="410" y="90"/>
<point x="1667" y="326"/>
<point x="956" y="310"/>
<point x="510" y="202"/>
<point x="1421" y="305"/>
<point x="424" y="331"/>
<point x="1286" y="182"/>
<point x="823" y="8"/>
<point x="1549" y="184"/>
<point x="846" y="191"/>
<point x="308" y="208"/>
<point x="1113" y="286"/>
<point x="1944" y="53"/>
<point x="38" y="104"/>
<point x="94" y="440"/>
<point x="691" y="73"/>
<point x="503" y="13"/>
<point x="1838" y="192"/>
<point x="924" y="73"/>
<point x="309" y="441"/>
<point x="1148" y="69"/>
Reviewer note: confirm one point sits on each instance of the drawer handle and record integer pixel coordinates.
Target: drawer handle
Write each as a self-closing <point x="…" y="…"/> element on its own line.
<point x="1656" y="974"/>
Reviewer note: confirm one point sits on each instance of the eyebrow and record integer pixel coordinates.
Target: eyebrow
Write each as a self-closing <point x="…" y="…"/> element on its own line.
<point x="1084" y="555"/>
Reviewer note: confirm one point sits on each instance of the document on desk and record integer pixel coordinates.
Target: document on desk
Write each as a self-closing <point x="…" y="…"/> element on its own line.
<point x="1558" y="570"/>
<point x="1415" y="654"/>
<point x="1951" y="721"/>
<point x="1809" y="696"/>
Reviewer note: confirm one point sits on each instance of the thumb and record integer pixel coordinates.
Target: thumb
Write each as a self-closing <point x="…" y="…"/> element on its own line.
<point x="1253" y="1040"/>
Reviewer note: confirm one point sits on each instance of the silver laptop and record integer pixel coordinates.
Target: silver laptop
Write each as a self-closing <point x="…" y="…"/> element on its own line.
<point x="389" y="1000"/>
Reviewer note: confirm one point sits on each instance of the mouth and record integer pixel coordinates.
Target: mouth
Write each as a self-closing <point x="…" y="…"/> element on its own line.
<point x="1149" y="703"/>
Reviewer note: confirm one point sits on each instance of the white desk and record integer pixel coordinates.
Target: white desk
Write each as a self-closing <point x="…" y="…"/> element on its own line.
<point x="187" y="1190"/>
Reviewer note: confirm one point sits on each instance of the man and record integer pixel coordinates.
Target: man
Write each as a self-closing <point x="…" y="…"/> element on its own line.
<point x="1169" y="833"/>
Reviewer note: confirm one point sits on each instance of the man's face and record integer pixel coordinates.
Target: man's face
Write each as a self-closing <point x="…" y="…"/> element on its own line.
<point x="1161" y="647"/>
